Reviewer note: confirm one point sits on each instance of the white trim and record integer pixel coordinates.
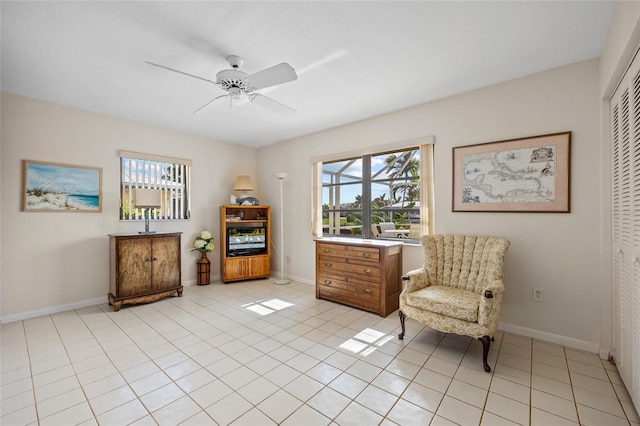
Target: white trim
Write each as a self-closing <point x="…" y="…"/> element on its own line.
<point x="555" y="338"/>
<point x="275" y="275"/>
<point x="153" y="157"/>
<point x="55" y="309"/>
<point x="76" y="305"/>
<point x="367" y="150"/>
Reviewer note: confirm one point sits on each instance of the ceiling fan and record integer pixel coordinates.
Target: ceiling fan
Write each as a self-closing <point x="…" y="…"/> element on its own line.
<point x="239" y="85"/>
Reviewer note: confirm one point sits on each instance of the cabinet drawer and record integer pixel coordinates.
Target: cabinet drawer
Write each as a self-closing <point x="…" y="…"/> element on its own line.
<point x="348" y="282"/>
<point x="352" y="252"/>
<point x="355" y="293"/>
<point x="333" y="265"/>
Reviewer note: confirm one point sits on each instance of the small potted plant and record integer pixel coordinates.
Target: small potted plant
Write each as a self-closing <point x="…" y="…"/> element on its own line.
<point x="204" y="244"/>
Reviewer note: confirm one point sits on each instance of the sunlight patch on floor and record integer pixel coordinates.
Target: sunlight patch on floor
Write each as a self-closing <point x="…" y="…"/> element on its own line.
<point x="266" y="307"/>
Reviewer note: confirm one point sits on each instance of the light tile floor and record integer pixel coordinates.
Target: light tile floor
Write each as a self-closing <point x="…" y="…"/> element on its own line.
<point x="255" y="353"/>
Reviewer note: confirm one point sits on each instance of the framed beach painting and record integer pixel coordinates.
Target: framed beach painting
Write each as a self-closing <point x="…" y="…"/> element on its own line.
<point x="519" y="175"/>
<point x="54" y="187"/>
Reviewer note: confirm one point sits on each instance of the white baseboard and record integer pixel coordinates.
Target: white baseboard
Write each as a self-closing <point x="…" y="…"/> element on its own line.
<point x="71" y="306"/>
<point x="55" y="309"/>
<point x="302" y="280"/>
<point x="195" y="282"/>
<point x="276" y="275"/>
<point x="569" y="342"/>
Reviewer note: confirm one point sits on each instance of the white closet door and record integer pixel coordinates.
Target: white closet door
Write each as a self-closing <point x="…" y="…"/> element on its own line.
<point x="625" y="167"/>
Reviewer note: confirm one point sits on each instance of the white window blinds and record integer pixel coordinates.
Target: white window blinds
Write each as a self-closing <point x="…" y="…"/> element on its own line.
<point x="170" y="176"/>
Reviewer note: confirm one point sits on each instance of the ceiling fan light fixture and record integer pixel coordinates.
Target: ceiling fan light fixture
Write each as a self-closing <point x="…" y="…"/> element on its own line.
<point x="235" y="93"/>
<point x="238" y="83"/>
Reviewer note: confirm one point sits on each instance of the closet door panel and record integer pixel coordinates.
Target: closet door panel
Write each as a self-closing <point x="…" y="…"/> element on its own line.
<point x="625" y="224"/>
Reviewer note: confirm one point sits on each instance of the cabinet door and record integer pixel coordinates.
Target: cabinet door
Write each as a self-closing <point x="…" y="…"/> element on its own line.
<point x="134" y="269"/>
<point x="259" y="266"/>
<point x="166" y="262"/>
<point x="236" y="268"/>
<point x="241" y="268"/>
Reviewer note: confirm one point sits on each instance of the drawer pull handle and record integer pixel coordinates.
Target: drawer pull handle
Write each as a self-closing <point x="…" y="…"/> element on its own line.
<point x="326" y="250"/>
<point x="327" y="282"/>
<point x="368" y="271"/>
<point x="328" y="265"/>
<point x="366" y="254"/>
<point x="367" y="291"/>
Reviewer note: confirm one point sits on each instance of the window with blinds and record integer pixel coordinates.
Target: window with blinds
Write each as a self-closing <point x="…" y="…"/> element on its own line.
<point x="170" y="177"/>
<point x="625" y="223"/>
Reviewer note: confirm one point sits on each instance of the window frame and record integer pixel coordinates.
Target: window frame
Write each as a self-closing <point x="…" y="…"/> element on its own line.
<point x="148" y="171"/>
<point x="425" y="145"/>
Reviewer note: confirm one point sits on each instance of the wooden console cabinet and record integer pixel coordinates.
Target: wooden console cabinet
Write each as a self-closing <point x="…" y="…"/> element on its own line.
<point x="143" y="268"/>
<point x="364" y="274"/>
<point x="238" y="224"/>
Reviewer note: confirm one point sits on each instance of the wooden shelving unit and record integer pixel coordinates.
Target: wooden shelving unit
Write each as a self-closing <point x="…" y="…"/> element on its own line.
<point x="236" y="266"/>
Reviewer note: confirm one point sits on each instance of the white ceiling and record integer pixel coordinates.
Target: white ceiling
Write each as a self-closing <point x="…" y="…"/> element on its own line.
<point x="354" y="59"/>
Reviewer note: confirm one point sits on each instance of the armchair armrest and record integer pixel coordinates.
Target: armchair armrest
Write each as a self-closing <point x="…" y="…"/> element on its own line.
<point x="415" y="280"/>
<point x="490" y="301"/>
<point x="495" y="288"/>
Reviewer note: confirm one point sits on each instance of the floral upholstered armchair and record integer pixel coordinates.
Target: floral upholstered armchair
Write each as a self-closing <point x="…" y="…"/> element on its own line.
<point x="459" y="288"/>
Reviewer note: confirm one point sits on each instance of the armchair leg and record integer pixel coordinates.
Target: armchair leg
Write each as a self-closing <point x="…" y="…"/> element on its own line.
<point x="486" y="342"/>
<point x="402" y="317"/>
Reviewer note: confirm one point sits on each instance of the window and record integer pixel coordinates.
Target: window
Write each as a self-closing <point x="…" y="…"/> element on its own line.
<point x="376" y="195"/>
<point x="170" y="176"/>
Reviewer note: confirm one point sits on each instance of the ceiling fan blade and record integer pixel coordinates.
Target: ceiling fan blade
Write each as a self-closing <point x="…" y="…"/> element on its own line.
<point x="208" y="103"/>
<point x="271" y="104"/>
<point x="181" y="72"/>
<point x="277" y="74"/>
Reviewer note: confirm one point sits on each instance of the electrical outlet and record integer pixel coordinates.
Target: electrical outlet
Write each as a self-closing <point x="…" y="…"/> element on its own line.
<point x="538" y="295"/>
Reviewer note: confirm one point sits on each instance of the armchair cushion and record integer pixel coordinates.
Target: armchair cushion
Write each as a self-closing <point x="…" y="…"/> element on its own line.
<point x="448" y="301"/>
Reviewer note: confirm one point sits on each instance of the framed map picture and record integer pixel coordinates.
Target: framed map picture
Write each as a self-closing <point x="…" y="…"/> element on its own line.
<point x="54" y="187"/>
<point x="519" y="175"/>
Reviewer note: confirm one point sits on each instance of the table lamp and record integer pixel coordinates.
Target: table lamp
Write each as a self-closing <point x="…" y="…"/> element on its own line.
<point x="148" y="199"/>
<point x="243" y="184"/>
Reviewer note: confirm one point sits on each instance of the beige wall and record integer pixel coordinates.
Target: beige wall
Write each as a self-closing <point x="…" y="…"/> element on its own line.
<point x="57" y="260"/>
<point x="557" y="252"/>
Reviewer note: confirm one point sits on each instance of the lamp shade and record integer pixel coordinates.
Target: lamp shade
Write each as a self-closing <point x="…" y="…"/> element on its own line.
<point x="243" y="183"/>
<point x="148" y="198"/>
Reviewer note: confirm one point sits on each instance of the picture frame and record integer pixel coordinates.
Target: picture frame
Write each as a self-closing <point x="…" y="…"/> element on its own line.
<point x="530" y="174"/>
<point x="57" y="187"/>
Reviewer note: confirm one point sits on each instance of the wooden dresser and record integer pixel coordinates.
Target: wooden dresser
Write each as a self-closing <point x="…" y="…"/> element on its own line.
<point x="143" y="268"/>
<point x="364" y="274"/>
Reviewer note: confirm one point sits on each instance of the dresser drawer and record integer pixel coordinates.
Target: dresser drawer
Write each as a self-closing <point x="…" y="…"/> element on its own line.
<point x="344" y="282"/>
<point x="352" y="252"/>
<point x="355" y="293"/>
<point x="335" y="265"/>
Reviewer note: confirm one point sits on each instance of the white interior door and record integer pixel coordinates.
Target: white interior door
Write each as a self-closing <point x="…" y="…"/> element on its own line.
<point x="625" y="155"/>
